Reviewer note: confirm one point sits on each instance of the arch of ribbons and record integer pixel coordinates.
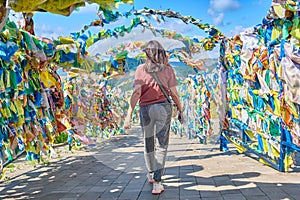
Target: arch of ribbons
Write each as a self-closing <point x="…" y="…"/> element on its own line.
<point x="257" y="80"/>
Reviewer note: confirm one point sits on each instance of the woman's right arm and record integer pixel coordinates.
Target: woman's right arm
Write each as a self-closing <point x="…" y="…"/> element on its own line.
<point x="133" y="101"/>
<point x="176" y="99"/>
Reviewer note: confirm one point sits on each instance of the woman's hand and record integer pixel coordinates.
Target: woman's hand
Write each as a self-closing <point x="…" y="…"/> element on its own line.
<point x="181" y="117"/>
<point x="127" y="123"/>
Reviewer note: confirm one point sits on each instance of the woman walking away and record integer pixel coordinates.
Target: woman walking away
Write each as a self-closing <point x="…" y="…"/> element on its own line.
<point x="155" y="109"/>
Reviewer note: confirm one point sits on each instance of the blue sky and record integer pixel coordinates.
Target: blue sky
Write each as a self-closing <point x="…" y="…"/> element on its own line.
<point x="230" y="16"/>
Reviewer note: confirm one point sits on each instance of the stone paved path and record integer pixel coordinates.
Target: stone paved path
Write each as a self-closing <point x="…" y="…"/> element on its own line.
<point x="116" y="170"/>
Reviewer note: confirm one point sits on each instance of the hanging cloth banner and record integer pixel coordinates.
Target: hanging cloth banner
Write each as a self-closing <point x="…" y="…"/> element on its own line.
<point x="262" y="86"/>
<point x="107" y="16"/>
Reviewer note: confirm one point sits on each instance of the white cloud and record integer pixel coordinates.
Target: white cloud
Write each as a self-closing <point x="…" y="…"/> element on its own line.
<point x="258" y="2"/>
<point x="222" y="5"/>
<point x="50" y="32"/>
<point x="175" y="25"/>
<point x="89" y="8"/>
<point x="52" y="35"/>
<point x="217" y="8"/>
<point x="46" y="28"/>
<point x="215" y="53"/>
<point x="136" y="35"/>
<point x="237" y="30"/>
<point x="219" y="19"/>
<point x="60" y="29"/>
<point x="210" y="12"/>
<point x="199" y="37"/>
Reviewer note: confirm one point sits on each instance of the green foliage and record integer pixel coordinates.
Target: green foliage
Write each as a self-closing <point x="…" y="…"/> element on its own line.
<point x="44" y="162"/>
<point x="6" y="178"/>
<point x="61" y="138"/>
<point x="183" y="72"/>
<point x="10" y="166"/>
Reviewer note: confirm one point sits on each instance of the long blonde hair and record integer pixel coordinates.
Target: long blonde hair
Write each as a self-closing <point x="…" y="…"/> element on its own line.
<point x="157" y="59"/>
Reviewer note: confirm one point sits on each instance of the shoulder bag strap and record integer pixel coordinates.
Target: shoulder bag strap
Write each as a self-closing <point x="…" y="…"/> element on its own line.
<point x="161" y="86"/>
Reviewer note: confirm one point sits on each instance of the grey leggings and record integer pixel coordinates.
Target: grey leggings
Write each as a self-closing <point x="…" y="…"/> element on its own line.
<point x="155" y="122"/>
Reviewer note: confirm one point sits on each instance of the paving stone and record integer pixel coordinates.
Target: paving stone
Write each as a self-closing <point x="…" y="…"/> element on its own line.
<point x="90" y="195"/>
<point x="279" y="195"/>
<point x="294" y="196"/>
<point x="170" y="193"/>
<point x="173" y="198"/>
<point x="231" y="191"/>
<point x="97" y="189"/>
<point x="129" y="195"/>
<point x="108" y="194"/>
<point x="80" y="189"/>
<point x="252" y="191"/>
<point x="256" y="197"/>
<point x="108" y="198"/>
<point x="189" y="193"/>
<point x="52" y="196"/>
<point x="210" y="194"/>
<point x="133" y="186"/>
<point x="72" y="195"/>
<point x="220" y="183"/>
<point x="57" y="190"/>
<point x="237" y="196"/>
<point x="205" y="181"/>
<point x="212" y="198"/>
<point x="147" y="195"/>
